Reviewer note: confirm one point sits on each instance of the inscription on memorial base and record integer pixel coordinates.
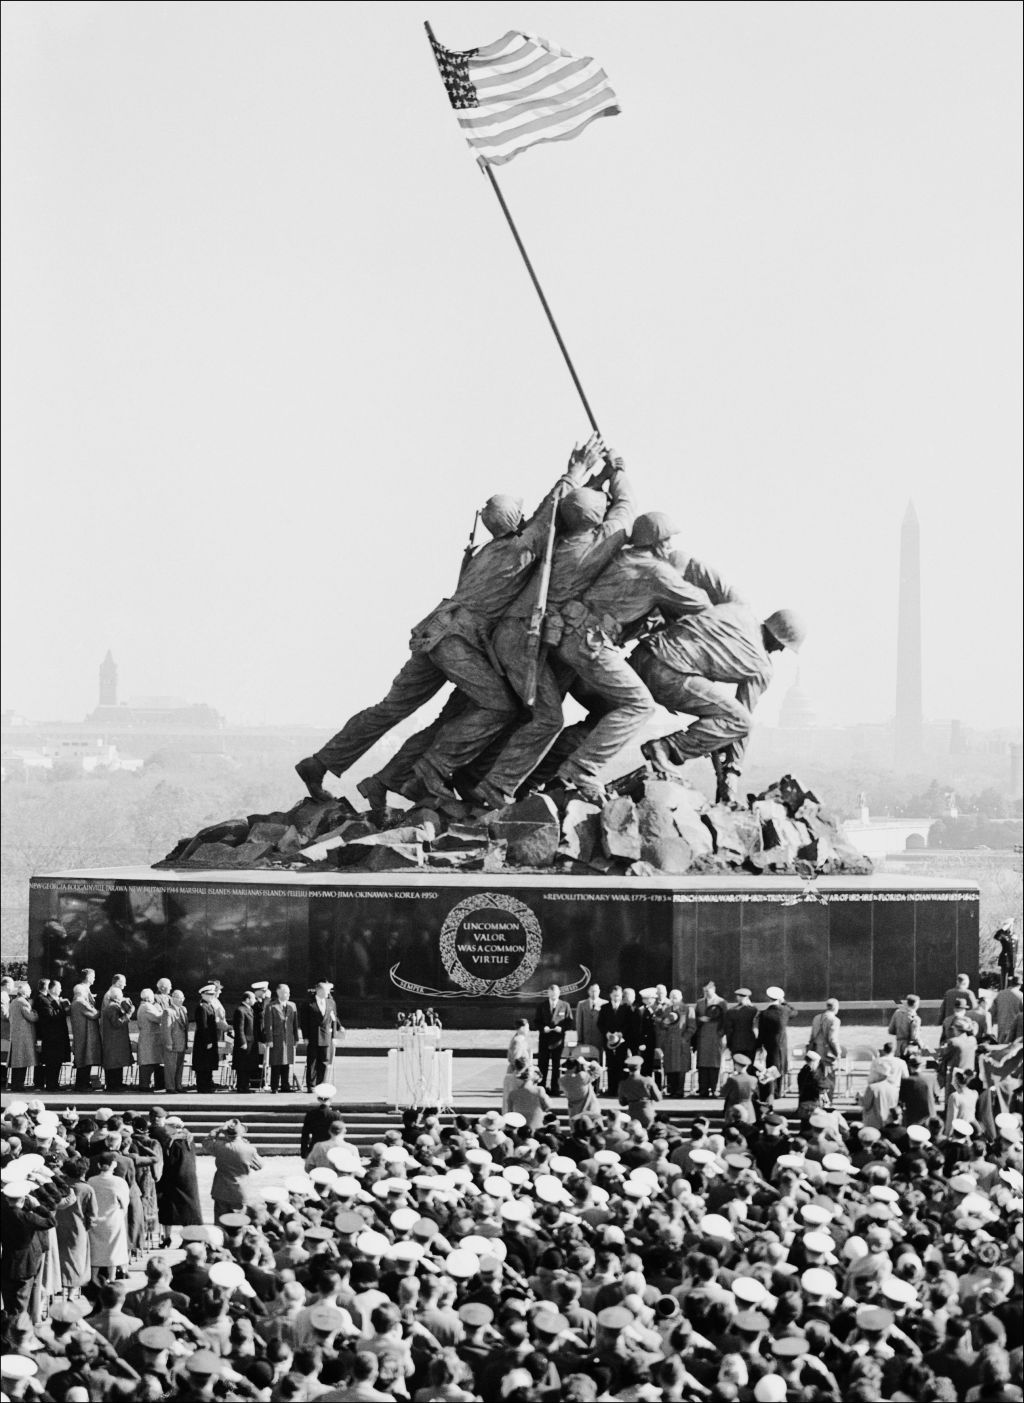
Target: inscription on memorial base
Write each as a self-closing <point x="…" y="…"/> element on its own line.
<point x="484" y="943"/>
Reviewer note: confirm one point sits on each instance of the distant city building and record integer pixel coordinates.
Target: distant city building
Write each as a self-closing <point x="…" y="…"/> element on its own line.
<point x="147" y="713"/>
<point x="165" y="729"/>
<point x="108" y="680"/>
<point x="797" y="713"/>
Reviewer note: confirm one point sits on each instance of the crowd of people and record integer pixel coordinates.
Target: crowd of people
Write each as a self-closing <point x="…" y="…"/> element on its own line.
<point x="595" y="1254"/>
<point x="44" y="1031"/>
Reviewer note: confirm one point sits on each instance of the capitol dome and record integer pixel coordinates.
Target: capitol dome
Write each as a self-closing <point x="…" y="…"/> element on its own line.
<point x="797" y="712"/>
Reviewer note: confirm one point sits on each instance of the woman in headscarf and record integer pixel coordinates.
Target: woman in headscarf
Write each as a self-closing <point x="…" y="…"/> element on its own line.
<point x="882" y="1093"/>
<point x="518" y="1052"/>
<point x="578" y="1083"/>
<point x="178" y="1188"/>
<point x="148" y="1159"/>
<point x="108" y="1232"/>
<point x="529" y="1099"/>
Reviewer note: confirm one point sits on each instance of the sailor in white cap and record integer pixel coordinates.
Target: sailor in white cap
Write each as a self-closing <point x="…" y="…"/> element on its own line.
<point x="206" y="1039"/>
<point x="316" y="1125"/>
<point x="773" y="1039"/>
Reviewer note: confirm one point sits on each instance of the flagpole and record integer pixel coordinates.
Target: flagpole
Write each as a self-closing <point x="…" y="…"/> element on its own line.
<point x="533" y="277"/>
<point x="540" y="293"/>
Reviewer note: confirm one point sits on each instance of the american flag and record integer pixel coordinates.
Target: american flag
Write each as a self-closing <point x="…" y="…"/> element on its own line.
<point x="520" y="91"/>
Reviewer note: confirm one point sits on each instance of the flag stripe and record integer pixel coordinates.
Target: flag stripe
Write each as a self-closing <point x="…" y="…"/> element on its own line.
<point x="556" y="80"/>
<point x="513" y="36"/>
<point x="518" y="140"/>
<point x="481" y="60"/>
<point x="554" y="136"/>
<point x="521" y="91"/>
<point x="557" y="116"/>
<point x="486" y="116"/>
<point x="505" y="80"/>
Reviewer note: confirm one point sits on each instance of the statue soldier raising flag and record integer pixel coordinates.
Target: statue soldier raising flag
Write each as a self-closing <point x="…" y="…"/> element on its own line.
<point x="513" y="94"/>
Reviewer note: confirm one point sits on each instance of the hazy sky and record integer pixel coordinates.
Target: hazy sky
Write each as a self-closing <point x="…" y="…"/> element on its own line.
<point x="268" y="343"/>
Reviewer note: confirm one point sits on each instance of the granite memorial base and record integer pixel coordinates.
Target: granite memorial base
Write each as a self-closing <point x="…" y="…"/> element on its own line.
<point x="481" y="948"/>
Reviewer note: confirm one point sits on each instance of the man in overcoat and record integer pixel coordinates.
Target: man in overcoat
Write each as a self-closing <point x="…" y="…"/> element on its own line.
<point x="54" y="1039"/>
<point x="552" y="1020"/>
<point x="24" y="1032"/>
<point x="319" y="1022"/>
<point x="245" y="1052"/>
<point x="588" y="1034"/>
<point x="85" y="1031"/>
<point x="150" y="1018"/>
<point x="281" y="1033"/>
<point x="206" y="1039"/>
<point x="115" y="1035"/>
<point x="614" y="1021"/>
<point x="175" y="1042"/>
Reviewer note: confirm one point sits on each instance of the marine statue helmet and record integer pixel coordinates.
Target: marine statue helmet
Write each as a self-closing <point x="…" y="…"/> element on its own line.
<point x="787" y="627"/>
<point x="582" y="507"/>
<point x="651" y="528"/>
<point x="502" y="514"/>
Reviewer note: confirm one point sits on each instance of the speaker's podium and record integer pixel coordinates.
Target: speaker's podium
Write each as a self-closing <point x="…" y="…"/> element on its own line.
<point x="419" y="1071"/>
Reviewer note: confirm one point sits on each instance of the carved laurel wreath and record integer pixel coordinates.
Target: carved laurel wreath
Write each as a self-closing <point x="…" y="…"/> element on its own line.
<point x="490" y="901"/>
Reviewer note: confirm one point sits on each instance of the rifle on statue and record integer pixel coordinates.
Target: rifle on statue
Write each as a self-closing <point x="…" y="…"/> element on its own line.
<point x="467" y="554"/>
<point x="535" y="632"/>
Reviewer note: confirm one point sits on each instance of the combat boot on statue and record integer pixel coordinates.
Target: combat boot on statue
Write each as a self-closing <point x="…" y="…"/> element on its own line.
<point x="312" y="771"/>
<point x="664" y="756"/>
<point x="374" y="791"/>
<point x="486" y="796"/>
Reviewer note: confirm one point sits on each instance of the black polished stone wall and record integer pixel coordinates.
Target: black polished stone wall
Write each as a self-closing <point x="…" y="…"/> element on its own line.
<point x="382" y="947"/>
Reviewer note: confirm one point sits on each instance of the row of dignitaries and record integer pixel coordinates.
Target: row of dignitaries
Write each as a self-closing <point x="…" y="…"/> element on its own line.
<point x="262" y="1035"/>
<point x="669" y="1035"/>
<point x="485" y="1259"/>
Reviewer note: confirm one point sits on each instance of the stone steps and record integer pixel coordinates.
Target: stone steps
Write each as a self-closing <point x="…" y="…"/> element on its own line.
<point x="275" y="1127"/>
